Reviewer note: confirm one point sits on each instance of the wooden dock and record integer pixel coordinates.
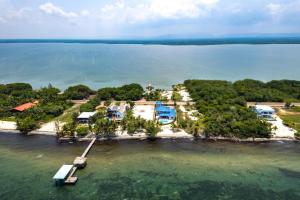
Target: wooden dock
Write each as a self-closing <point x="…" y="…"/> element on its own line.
<point x="78" y="163"/>
<point x="88" y="148"/>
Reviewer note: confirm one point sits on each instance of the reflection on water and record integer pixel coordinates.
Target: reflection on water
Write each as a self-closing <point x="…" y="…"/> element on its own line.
<point x="162" y="169"/>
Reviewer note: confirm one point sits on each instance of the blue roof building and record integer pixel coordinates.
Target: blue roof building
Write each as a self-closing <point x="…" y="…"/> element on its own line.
<point x="116" y="113"/>
<point x="164" y="114"/>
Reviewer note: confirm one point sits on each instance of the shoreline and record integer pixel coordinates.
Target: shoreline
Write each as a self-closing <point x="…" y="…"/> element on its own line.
<point x="143" y="137"/>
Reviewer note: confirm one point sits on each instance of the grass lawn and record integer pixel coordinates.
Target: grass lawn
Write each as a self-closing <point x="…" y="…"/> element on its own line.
<point x="67" y="116"/>
<point x="10" y="119"/>
<point x="292" y="121"/>
<point x="294" y="109"/>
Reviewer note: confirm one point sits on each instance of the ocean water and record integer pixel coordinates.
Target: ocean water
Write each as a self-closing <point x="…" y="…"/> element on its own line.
<point x="99" y="65"/>
<point x="162" y="169"/>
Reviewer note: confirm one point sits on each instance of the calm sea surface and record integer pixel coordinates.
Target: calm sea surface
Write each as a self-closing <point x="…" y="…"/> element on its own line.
<point x="99" y="65"/>
<point x="163" y="169"/>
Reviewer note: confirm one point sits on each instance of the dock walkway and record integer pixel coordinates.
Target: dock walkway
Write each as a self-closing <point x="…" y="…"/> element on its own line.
<point x="88" y="148"/>
<point x="79" y="163"/>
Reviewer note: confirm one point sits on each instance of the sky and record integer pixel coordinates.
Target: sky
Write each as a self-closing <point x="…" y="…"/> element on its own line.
<point x="108" y="19"/>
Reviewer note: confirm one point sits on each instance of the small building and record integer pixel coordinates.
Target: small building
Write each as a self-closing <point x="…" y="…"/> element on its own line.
<point x="116" y="113"/>
<point x="85" y="117"/>
<point x="164" y="114"/>
<point x="23" y="107"/>
<point x="264" y="111"/>
<point x="62" y="174"/>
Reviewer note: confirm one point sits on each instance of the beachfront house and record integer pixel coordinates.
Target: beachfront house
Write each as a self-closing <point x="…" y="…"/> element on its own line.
<point x="116" y="113"/>
<point x="85" y="117"/>
<point x="264" y="111"/>
<point x="164" y="114"/>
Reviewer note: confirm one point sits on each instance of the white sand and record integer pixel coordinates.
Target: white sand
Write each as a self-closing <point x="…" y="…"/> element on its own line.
<point x="144" y="111"/>
<point x="185" y="95"/>
<point x="5" y="125"/>
<point x="182" y="108"/>
<point x="282" y="130"/>
<point x="167" y="132"/>
<point x="48" y="127"/>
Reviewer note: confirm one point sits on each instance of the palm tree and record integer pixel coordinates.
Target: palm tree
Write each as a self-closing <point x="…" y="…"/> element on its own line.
<point x="105" y="128"/>
<point x="195" y="128"/>
<point x="175" y="127"/>
<point x="152" y="128"/>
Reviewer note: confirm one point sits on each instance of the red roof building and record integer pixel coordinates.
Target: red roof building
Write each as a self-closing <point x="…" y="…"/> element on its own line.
<point x="24" y="107"/>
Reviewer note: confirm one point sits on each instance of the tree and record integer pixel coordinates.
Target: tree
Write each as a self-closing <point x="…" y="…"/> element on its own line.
<point x="175" y="127"/>
<point x="131" y="104"/>
<point x="130" y="123"/>
<point x="69" y="129"/>
<point x="176" y="96"/>
<point x="288" y="103"/>
<point x="131" y="92"/>
<point x="152" y="128"/>
<point x="225" y="112"/>
<point x="195" y="128"/>
<point x="78" y="92"/>
<point x="48" y="94"/>
<point x="105" y="128"/>
<point x="82" y="130"/>
<point x="27" y="125"/>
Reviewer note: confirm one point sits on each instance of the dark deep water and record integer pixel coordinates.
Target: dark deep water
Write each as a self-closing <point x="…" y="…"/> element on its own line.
<point x="163" y="169"/>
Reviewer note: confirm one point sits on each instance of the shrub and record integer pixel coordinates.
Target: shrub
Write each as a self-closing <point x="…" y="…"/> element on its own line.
<point x="82" y="130"/>
<point x="27" y="125"/>
<point x="297" y="135"/>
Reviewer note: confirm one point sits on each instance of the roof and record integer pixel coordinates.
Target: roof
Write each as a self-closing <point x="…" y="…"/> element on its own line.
<point x="165" y="110"/>
<point x="264" y="108"/>
<point x="63" y="172"/>
<point x="117" y="108"/>
<point x="23" y="107"/>
<point x="158" y="102"/>
<point x="86" y="115"/>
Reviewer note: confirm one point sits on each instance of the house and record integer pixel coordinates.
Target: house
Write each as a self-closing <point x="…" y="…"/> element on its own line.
<point x="85" y="117"/>
<point x="164" y="114"/>
<point x="116" y="113"/>
<point x="23" y="107"/>
<point x="62" y="174"/>
<point x="264" y="111"/>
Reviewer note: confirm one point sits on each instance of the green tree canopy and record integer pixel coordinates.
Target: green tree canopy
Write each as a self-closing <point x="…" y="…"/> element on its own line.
<point x="78" y="92"/>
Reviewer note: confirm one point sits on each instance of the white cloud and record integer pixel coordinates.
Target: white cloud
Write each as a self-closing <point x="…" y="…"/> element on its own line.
<point x="156" y="9"/>
<point x="84" y="13"/>
<point x="274" y="9"/>
<point x="2" y="20"/>
<point x="181" y="8"/>
<point x="51" y="9"/>
<point x="21" y="13"/>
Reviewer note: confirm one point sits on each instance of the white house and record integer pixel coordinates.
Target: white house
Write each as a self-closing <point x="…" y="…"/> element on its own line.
<point x="264" y="111"/>
<point x="85" y="117"/>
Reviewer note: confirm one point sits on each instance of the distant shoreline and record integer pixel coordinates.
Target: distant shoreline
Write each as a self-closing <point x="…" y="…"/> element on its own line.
<point x="175" y="42"/>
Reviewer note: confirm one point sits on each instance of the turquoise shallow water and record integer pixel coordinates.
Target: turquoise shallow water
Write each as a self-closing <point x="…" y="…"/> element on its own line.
<point x="101" y="65"/>
<point x="162" y="169"/>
